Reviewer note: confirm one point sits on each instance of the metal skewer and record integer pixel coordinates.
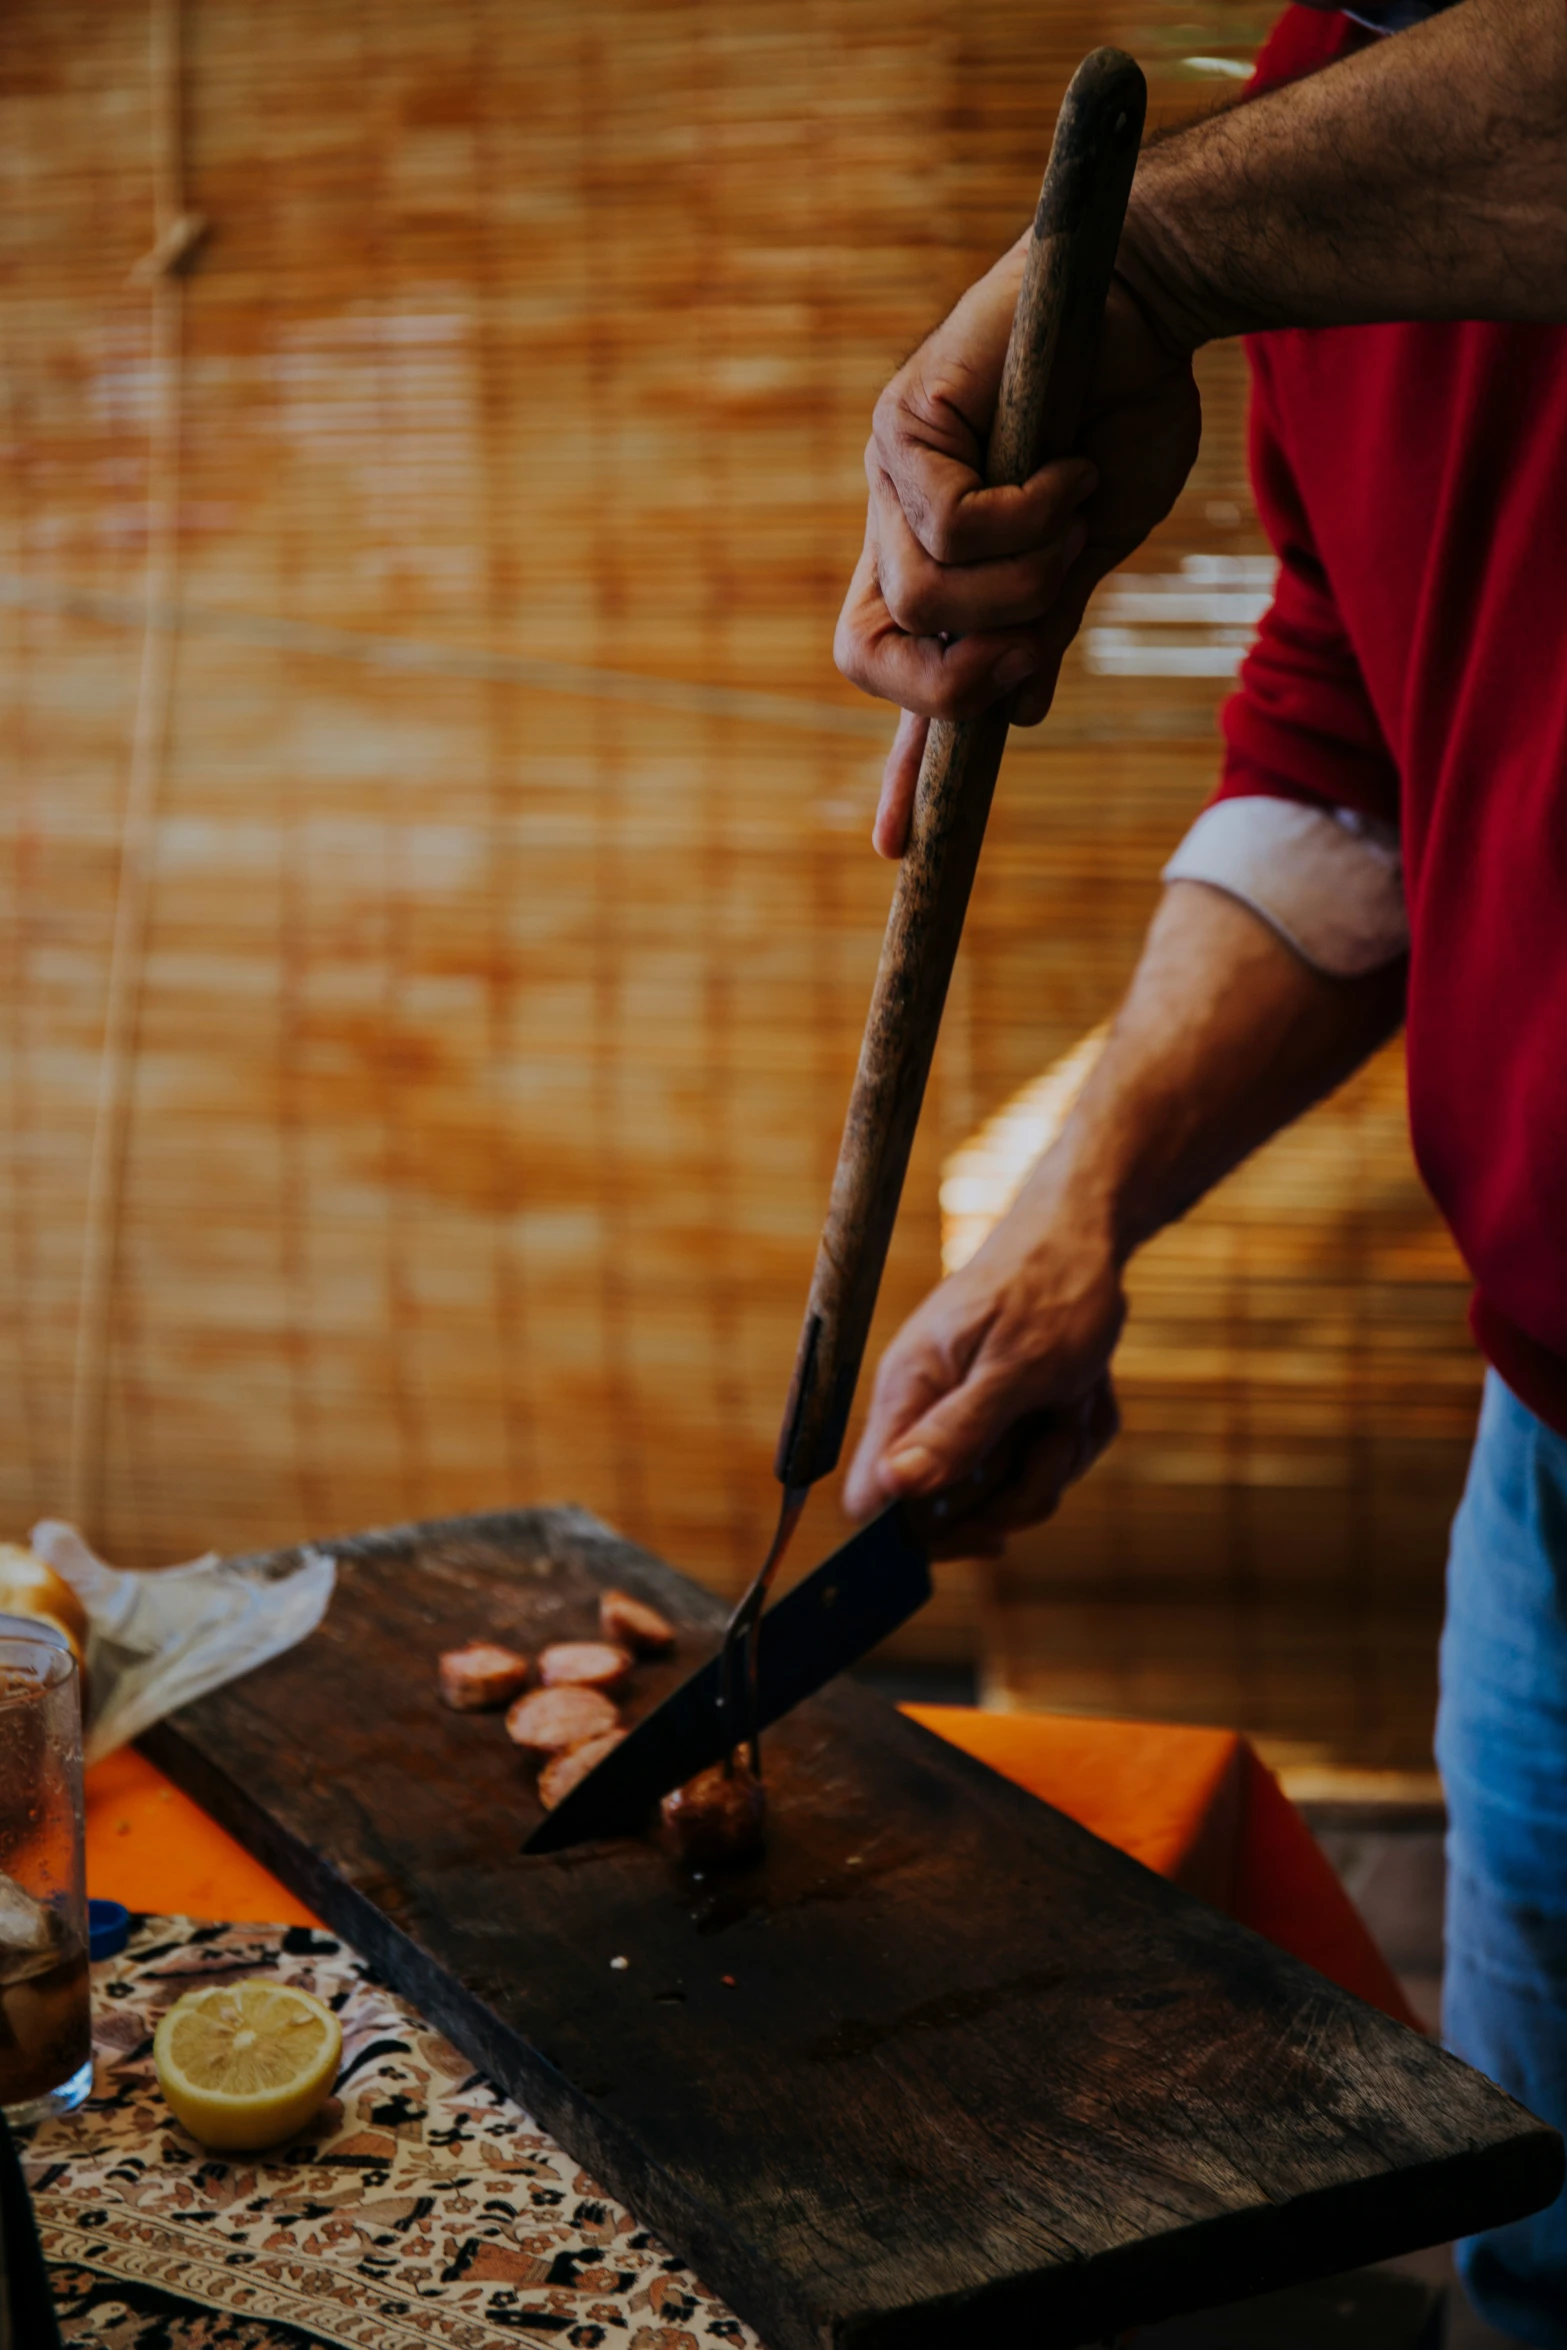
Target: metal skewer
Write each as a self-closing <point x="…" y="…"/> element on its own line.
<point x="742" y="1636"/>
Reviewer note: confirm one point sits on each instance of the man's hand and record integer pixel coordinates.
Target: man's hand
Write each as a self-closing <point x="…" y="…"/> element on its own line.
<point x="1423" y="176"/>
<point x="1225" y="1036"/>
<point x="963" y="593"/>
<point x="1026" y="1328"/>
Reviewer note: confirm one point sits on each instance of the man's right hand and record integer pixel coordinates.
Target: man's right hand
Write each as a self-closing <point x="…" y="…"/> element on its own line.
<point x="964" y="593"/>
<point x="1024" y="1332"/>
<point x="1225" y="1035"/>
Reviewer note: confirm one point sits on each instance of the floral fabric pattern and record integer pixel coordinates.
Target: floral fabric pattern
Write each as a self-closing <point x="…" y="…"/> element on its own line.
<point x="421" y="2207"/>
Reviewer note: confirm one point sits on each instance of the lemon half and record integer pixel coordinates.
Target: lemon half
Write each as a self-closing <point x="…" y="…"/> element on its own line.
<point x="245" y="2065"/>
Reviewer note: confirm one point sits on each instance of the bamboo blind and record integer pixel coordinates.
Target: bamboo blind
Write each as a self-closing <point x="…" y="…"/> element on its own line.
<point x="436" y="913"/>
<point x="1298" y="1394"/>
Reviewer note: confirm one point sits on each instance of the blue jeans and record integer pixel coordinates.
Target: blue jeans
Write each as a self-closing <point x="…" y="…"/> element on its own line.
<point x="1502" y="1749"/>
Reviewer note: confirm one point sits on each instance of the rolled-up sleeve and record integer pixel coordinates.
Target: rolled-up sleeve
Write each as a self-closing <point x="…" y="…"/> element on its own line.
<point x="1304" y="825"/>
<point x="1330" y="883"/>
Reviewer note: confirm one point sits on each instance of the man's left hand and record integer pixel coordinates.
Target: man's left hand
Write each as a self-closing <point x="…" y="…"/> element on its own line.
<point x="964" y="593"/>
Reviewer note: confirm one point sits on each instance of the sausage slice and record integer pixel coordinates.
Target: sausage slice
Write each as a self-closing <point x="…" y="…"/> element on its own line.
<point x="480" y="1675"/>
<point x="548" y="1721"/>
<point x="634" y="1624"/>
<point x="585" y="1664"/>
<point x="716" y="1817"/>
<point x="567" y="1770"/>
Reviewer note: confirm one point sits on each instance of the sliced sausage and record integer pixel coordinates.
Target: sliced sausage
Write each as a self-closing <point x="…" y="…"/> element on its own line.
<point x="585" y="1664"/>
<point x="716" y="1817"/>
<point x="634" y="1624"/>
<point x="481" y="1675"/>
<point x="547" y="1721"/>
<point x="567" y="1770"/>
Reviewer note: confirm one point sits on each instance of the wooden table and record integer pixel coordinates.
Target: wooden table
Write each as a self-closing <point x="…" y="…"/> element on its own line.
<point x="1193" y="1804"/>
<point x="941" y="2062"/>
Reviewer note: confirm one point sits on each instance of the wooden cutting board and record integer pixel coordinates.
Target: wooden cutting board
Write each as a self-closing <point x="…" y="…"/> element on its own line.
<point x="940" y="2066"/>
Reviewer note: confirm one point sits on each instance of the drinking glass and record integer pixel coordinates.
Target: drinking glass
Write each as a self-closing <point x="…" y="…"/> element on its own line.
<point x="45" y="2007"/>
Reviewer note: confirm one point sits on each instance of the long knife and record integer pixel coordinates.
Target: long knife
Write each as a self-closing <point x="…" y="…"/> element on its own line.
<point x="854" y="1599"/>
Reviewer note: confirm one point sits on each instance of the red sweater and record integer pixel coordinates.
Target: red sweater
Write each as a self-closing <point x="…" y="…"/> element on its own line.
<point x="1413" y="480"/>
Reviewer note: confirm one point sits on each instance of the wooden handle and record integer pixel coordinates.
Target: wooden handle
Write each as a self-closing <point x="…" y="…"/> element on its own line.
<point x="1066" y="277"/>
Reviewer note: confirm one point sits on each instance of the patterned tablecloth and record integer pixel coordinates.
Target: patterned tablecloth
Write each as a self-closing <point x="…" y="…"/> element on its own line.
<point x="421" y="2207"/>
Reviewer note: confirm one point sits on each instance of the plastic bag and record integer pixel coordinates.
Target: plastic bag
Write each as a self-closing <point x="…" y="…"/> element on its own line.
<point x="157" y="1641"/>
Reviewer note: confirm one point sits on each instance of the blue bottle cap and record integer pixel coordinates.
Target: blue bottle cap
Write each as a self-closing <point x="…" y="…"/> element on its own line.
<point x="108" y="1928"/>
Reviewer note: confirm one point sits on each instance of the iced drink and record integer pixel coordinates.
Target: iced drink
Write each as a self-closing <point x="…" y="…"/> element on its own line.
<point x="45" y="2010"/>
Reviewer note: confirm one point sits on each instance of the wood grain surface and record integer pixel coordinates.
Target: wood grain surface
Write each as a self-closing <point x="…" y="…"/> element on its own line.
<point x="940" y="2064"/>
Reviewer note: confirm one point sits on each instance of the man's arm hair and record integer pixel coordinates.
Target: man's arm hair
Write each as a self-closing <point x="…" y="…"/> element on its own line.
<point x="1226" y="1035"/>
<point x="1423" y="177"/>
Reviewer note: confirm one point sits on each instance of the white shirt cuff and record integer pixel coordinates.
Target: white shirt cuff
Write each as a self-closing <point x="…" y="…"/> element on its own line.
<point x="1329" y="881"/>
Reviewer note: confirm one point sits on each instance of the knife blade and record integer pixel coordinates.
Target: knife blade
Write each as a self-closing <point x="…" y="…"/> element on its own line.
<point x="836" y="1615"/>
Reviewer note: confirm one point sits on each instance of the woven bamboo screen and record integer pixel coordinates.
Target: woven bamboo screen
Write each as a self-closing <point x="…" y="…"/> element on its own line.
<point x="437" y="911"/>
<point x="1297" y="1392"/>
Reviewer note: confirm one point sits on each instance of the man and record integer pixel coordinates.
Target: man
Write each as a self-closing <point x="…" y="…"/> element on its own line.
<point x="1389" y="836"/>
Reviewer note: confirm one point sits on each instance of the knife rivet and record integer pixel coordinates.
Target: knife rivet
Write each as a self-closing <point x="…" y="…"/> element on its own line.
<point x="620" y="1964"/>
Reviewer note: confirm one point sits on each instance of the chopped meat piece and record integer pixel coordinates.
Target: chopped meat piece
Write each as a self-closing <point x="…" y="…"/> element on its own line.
<point x="481" y="1675"/>
<point x="585" y="1664"/>
<point x="634" y="1624"/>
<point x="560" y="1775"/>
<point x="547" y="1721"/>
<point x="716" y="1817"/>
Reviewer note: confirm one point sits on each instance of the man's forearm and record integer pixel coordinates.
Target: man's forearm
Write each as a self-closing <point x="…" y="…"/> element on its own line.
<point x="1225" y="1037"/>
<point x="1423" y="177"/>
